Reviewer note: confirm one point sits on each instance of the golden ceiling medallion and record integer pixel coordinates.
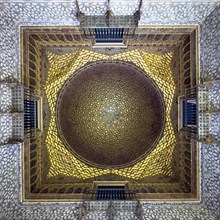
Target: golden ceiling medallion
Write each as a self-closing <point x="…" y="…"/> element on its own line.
<point x="110" y="114"/>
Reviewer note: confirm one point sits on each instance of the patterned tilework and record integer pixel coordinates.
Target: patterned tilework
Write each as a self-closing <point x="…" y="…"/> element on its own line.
<point x="210" y="41"/>
<point x="12" y="15"/>
<point x="171" y="13"/>
<point x="210" y="167"/>
<point x="5" y="119"/>
<point x="214" y="99"/>
<point x="93" y="7"/>
<point x="209" y="70"/>
<point x="62" y="13"/>
<point x="215" y="126"/>
<point x="11" y="207"/>
<point x="5" y="98"/>
<point x="5" y="128"/>
<point x="214" y="95"/>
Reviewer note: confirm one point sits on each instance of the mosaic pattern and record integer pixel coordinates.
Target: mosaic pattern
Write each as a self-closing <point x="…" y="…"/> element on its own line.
<point x="24" y="13"/>
<point x="154" y="12"/>
<point x="5" y="98"/>
<point x="209" y="71"/>
<point x="210" y="155"/>
<point x="120" y="8"/>
<point x="63" y="13"/>
<point x="11" y="207"/>
<point x="214" y="96"/>
<point x="174" y="13"/>
<point x="210" y="41"/>
<point x="215" y="126"/>
<point x="11" y="116"/>
<point x="93" y="7"/>
<point x="5" y="128"/>
<point x="13" y="14"/>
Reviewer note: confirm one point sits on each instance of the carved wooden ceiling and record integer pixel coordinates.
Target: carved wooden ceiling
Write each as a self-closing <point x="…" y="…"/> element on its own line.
<point x="51" y="56"/>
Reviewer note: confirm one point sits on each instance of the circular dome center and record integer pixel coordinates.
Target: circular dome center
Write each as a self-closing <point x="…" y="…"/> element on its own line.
<point x="110" y="114"/>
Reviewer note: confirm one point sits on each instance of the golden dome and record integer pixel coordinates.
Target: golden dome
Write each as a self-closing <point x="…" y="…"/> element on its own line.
<point x="110" y="114"/>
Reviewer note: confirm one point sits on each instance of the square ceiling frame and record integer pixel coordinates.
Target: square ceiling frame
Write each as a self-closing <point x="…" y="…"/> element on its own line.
<point x="76" y="42"/>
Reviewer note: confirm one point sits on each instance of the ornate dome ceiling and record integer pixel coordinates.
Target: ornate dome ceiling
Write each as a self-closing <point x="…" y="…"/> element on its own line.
<point x="167" y="172"/>
<point x="110" y="114"/>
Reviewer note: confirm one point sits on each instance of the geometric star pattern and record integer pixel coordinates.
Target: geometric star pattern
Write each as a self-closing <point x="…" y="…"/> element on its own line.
<point x="63" y="162"/>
